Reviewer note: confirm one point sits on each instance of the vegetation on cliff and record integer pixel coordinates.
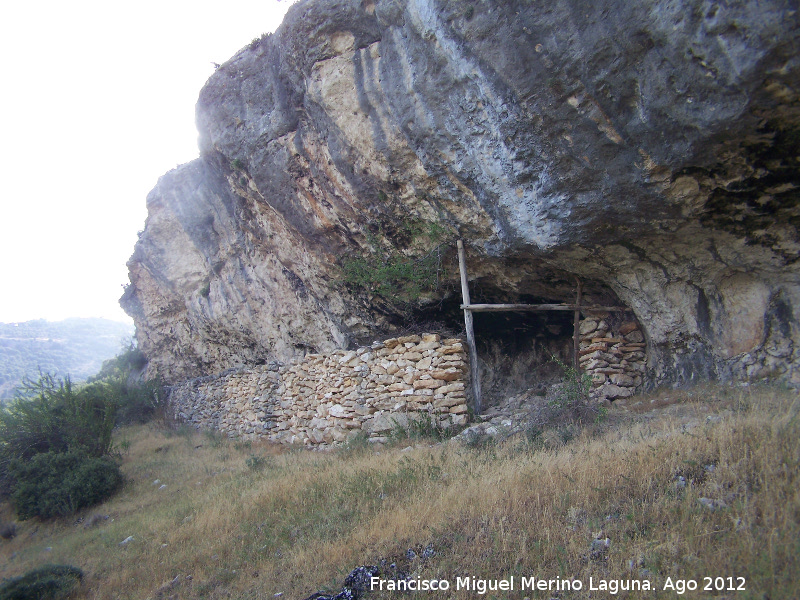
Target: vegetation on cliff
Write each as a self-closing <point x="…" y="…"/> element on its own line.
<point x="401" y="276"/>
<point x="658" y="169"/>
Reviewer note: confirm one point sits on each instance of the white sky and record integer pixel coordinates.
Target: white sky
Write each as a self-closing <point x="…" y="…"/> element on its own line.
<point x="96" y="102"/>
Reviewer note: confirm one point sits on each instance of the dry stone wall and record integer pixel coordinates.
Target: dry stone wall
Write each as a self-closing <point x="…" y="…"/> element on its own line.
<point x="325" y="399"/>
<point x="613" y="353"/>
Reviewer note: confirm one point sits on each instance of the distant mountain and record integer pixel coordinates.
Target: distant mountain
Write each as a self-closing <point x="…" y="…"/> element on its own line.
<point x="74" y="347"/>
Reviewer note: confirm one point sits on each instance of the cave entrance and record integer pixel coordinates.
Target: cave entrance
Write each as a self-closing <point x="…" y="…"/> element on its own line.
<point x="573" y="310"/>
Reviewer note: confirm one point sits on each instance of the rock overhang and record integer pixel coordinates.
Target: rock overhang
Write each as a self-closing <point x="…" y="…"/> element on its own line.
<point x="653" y="151"/>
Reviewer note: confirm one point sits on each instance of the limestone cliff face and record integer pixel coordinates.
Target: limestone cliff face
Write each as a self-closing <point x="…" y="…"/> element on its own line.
<point x="652" y="151"/>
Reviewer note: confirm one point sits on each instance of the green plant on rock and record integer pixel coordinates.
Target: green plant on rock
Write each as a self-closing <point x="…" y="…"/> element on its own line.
<point x="393" y="274"/>
<point x="575" y="386"/>
<point x="118" y="380"/>
<point x="573" y="400"/>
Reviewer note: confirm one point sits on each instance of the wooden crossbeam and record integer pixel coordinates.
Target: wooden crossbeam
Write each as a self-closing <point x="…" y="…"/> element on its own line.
<point x="470" y="308"/>
<point x="540" y="307"/>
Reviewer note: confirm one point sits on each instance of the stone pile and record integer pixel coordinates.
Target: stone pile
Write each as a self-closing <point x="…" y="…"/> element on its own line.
<point x="327" y="398"/>
<point x="614" y="356"/>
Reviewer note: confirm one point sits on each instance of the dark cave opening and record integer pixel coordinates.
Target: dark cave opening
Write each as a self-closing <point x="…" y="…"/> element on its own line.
<point x="517" y="350"/>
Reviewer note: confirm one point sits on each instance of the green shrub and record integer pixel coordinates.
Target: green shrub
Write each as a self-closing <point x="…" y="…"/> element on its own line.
<point x="394" y="274"/>
<point x="572" y="402"/>
<point x="56" y="416"/>
<point x="48" y="582"/>
<point x="54" y="484"/>
<point x="256" y="463"/>
<point x="138" y="402"/>
<point x="59" y="417"/>
<point x="424" y="427"/>
<point x="130" y="360"/>
<point x="355" y="445"/>
<point x="135" y="401"/>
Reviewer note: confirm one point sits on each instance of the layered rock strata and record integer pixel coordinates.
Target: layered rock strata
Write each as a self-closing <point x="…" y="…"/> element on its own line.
<point x="653" y="150"/>
<point x="326" y="399"/>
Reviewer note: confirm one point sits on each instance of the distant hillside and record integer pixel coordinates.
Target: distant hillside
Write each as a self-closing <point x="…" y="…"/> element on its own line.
<point x="76" y="347"/>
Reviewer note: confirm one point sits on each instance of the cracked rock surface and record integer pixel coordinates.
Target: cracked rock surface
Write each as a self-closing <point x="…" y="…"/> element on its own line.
<point x="652" y="151"/>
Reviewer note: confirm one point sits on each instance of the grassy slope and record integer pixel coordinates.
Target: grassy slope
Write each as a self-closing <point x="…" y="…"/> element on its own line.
<point x="295" y="522"/>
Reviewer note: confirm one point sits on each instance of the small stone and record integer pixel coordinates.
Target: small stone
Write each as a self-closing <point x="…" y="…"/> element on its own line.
<point x="590" y="365"/>
<point x="593" y="347"/>
<point x="614" y="391"/>
<point x="621" y="379"/>
<point x="452" y="349"/>
<point x="460" y="419"/>
<point x="447" y="402"/>
<point x="424" y="364"/>
<point x="453" y="387"/>
<point x="450" y="374"/>
<point x="337" y="410"/>
<point x="712" y="504"/>
<point x="598" y="378"/>
<point x="408" y="339"/>
<point x="428" y="384"/>
<point x="601" y="545"/>
<point x="634" y="336"/>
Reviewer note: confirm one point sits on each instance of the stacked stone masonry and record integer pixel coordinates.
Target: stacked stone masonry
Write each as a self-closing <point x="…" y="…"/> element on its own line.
<point x="326" y="399"/>
<point x="613" y="355"/>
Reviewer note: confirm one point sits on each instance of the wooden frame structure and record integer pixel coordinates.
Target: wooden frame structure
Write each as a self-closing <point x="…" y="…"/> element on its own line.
<point x="470" y="308"/>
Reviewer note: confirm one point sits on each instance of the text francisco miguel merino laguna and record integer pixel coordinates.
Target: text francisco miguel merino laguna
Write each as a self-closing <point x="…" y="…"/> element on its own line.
<point x="481" y="586"/>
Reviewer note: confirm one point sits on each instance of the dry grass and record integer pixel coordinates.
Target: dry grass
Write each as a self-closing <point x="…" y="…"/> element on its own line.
<point x="230" y="526"/>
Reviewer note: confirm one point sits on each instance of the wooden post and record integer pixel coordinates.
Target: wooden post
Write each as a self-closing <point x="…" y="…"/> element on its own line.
<point x="576" y="335"/>
<point x="473" y="352"/>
